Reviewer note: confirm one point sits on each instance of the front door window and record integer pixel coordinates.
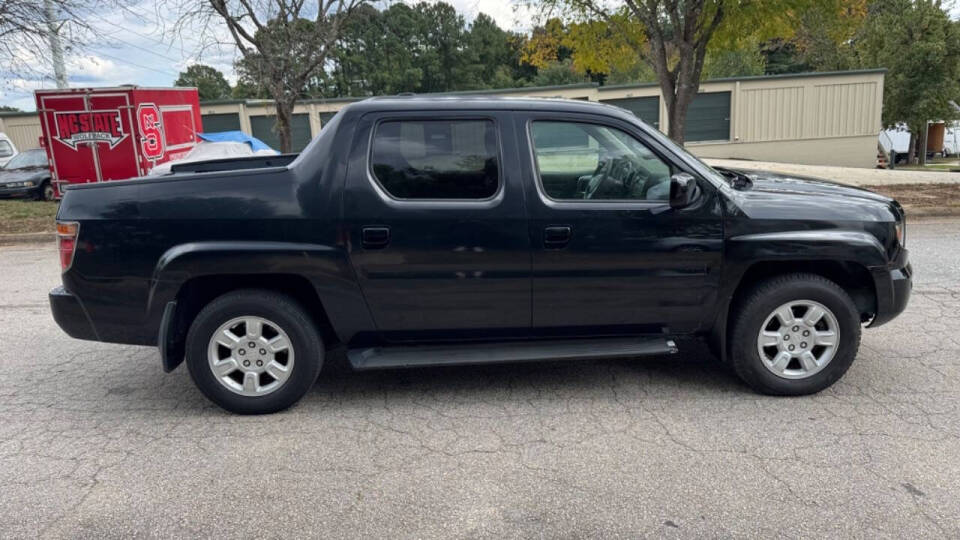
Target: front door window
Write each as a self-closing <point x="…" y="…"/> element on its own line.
<point x="583" y="161"/>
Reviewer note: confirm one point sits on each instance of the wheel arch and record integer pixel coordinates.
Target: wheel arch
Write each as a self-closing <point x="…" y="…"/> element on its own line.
<point x="197" y="292"/>
<point x="189" y="276"/>
<point x="853" y="277"/>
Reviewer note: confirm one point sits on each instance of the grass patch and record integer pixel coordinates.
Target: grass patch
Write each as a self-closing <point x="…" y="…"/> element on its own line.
<point x="27" y="216"/>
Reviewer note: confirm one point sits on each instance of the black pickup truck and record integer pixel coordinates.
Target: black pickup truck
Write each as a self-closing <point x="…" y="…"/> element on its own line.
<point x="437" y="231"/>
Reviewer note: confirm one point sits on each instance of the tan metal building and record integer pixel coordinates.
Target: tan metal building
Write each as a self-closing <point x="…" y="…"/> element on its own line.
<point x="810" y="118"/>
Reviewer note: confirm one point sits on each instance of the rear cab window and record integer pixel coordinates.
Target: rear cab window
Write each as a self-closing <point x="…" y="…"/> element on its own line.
<point x="455" y="159"/>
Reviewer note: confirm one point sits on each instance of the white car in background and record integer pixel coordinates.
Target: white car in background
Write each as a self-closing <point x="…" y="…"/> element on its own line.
<point x="7" y="149"/>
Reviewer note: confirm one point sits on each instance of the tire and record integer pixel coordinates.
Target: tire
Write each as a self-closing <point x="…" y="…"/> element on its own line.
<point x="45" y="192"/>
<point x="759" y="312"/>
<point x="279" y="316"/>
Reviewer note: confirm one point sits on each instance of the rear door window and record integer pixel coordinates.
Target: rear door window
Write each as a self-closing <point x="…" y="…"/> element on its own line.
<point x="436" y="159"/>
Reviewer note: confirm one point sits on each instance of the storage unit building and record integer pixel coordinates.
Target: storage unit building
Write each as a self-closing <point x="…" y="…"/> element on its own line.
<point x="810" y="118"/>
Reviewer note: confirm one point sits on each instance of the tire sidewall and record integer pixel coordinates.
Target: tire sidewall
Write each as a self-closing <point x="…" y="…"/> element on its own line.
<point x="746" y="357"/>
<point x="308" y="351"/>
<point x="41" y="192"/>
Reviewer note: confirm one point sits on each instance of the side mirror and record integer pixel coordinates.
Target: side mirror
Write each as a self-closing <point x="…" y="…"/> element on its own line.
<point x="683" y="190"/>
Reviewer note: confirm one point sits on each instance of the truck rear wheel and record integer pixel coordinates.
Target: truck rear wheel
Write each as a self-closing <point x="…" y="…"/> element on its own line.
<point x="254" y="352"/>
<point x="795" y="335"/>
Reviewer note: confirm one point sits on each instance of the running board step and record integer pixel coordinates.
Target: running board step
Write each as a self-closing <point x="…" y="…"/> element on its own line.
<point x="515" y="351"/>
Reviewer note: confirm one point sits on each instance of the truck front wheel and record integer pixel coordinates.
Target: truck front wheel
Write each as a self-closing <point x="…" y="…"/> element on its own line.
<point x="794" y="335"/>
<point x="254" y="351"/>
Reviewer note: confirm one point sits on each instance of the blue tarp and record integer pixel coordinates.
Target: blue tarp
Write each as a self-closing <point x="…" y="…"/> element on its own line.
<point x="235" y="136"/>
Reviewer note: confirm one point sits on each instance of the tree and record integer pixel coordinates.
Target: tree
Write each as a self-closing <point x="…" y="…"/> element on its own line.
<point x="920" y="47"/>
<point x="26" y="27"/>
<point x="672" y="36"/>
<point x="8" y="108"/>
<point x="823" y="40"/>
<point x="421" y="48"/>
<point x="558" y="73"/>
<point x="377" y="52"/>
<point x="492" y="53"/>
<point x="284" y="44"/>
<point x="210" y="83"/>
<point x="442" y="58"/>
<point x="742" y="62"/>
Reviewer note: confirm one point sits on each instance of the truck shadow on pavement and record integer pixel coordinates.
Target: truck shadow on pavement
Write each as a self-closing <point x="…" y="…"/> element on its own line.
<point x="694" y="371"/>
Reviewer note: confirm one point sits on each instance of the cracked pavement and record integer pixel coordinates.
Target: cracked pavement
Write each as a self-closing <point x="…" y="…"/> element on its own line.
<point x="96" y="441"/>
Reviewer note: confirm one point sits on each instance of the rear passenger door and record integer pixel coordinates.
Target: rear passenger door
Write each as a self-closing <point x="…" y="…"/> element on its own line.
<point x="434" y="211"/>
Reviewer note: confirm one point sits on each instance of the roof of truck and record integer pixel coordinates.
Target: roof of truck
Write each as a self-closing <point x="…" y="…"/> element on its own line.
<point x="475" y="103"/>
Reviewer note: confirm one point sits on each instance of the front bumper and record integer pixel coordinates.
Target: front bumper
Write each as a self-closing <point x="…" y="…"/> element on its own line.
<point x="893" y="284"/>
<point x="70" y="315"/>
<point x="17" y="192"/>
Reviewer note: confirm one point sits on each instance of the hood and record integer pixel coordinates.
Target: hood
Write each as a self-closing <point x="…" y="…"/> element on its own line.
<point x="20" y="175"/>
<point x="787" y="184"/>
<point x="776" y="196"/>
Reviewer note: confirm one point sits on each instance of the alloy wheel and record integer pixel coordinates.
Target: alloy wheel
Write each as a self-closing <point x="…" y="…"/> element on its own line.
<point x="250" y="356"/>
<point x="798" y="339"/>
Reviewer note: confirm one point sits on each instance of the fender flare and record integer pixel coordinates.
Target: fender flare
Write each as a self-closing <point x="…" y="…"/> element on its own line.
<point x="325" y="267"/>
<point x="745" y="251"/>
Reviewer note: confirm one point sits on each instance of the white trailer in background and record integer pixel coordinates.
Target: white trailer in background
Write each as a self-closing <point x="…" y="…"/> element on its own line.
<point x="897" y="140"/>
<point x="951" y="139"/>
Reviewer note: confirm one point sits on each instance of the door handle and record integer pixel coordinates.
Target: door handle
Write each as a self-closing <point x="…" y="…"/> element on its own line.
<point x="556" y="237"/>
<point x="375" y="237"/>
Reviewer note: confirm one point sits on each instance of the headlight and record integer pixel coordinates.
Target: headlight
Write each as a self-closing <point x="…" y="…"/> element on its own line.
<point x="28" y="183"/>
<point x="901" y="229"/>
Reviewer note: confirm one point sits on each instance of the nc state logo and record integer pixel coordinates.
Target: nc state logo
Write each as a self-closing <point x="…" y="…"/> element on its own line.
<point x="78" y="127"/>
<point x="151" y="131"/>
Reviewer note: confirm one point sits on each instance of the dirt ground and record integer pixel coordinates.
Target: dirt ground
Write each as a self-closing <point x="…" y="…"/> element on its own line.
<point x="924" y="199"/>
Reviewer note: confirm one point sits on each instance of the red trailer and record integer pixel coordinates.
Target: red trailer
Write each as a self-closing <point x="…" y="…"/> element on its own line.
<point x="100" y="134"/>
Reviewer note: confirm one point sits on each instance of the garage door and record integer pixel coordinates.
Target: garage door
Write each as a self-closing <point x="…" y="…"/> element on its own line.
<point x="646" y="108"/>
<point x="262" y="127"/>
<point x="708" y="118"/>
<point x="221" y="122"/>
<point x="326" y="117"/>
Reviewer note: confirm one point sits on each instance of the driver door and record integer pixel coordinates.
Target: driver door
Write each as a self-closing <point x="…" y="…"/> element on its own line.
<point x="609" y="254"/>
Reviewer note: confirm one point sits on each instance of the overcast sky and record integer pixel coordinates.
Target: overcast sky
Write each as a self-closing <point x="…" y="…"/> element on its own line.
<point x="133" y="49"/>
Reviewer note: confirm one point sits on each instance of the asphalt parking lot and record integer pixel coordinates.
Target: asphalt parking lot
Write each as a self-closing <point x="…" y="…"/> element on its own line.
<point x="96" y="441"/>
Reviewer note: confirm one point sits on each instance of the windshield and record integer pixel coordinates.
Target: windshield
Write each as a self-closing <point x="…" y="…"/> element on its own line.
<point x="706" y="170"/>
<point x="5" y="149"/>
<point x="30" y="158"/>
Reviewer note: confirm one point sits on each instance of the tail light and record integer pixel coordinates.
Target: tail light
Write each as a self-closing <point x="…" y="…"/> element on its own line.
<point x="67" y="232"/>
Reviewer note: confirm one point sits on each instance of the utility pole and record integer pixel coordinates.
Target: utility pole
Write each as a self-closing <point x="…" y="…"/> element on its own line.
<point x="56" y="49"/>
